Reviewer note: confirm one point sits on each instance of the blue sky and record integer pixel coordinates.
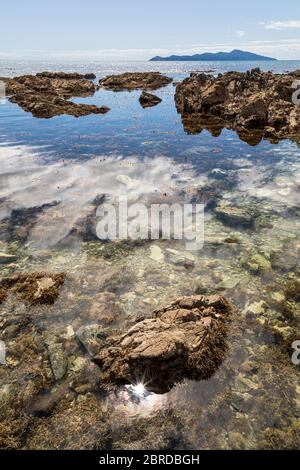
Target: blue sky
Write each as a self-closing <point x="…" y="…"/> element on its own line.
<point x="131" y="29"/>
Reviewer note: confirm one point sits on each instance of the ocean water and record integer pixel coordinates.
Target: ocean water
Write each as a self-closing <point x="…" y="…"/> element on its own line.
<point x="51" y="172"/>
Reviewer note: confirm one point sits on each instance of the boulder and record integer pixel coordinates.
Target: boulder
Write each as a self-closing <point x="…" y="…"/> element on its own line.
<point x="147" y="100"/>
<point x="185" y="340"/>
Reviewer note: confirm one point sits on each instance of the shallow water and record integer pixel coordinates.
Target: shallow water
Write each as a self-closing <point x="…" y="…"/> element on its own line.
<point x="60" y="167"/>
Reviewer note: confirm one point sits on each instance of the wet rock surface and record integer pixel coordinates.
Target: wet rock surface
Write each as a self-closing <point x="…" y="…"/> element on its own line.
<point x="186" y="339"/>
<point x="252" y="101"/>
<point x="46" y="95"/>
<point x="136" y="80"/>
<point x="147" y="100"/>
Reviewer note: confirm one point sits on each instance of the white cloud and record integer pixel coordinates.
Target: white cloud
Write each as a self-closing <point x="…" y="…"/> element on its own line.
<point x="282" y="25"/>
<point x="279" y="48"/>
<point x="239" y="34"/>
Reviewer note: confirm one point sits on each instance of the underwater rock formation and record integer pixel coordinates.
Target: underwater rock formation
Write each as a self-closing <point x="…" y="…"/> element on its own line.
<point x="185" y="340"/>
<point x="147" y="100"/>
<point x="47" y="94"/>
<point x="36" y="288"/>
<point x="251" y="101"/>
<point x="235" y="216"/>
<point x="135" y="81"/>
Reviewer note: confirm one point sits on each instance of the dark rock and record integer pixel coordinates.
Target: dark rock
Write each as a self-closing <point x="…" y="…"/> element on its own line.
<point x="67" y="76"/>
<point x="185" y="340"/>
<point x="135" y="81"/>
<point x="47" y="95"/>
<point x="147" y="100"/>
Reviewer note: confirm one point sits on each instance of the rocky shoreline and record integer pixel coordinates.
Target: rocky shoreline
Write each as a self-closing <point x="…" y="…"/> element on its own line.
<point x="92" y="359"/>
<point x="255" y="104"/>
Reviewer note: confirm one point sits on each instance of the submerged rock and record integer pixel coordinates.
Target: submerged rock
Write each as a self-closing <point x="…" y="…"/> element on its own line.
<point x="245" y="102"/>
<point x="135" y="81"/>
<point x="236" y="216"/>
<point x="156" y="254"/>
<point x="36" y="288"/>
<point x="47" y="94"/>
<point x="58" y="360"/>
<point x="257" y="264"/>
<point x="147" y="100"/>
<point x="92" y="337"/>
<point x="6" y="258"/>
<point x="185" y="340"/>
<point x="178" y="258"/>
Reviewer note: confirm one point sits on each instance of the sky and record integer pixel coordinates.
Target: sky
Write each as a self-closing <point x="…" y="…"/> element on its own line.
<point x="138" y="30"/>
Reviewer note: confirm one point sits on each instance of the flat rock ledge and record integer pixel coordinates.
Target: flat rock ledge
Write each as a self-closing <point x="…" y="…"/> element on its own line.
<point x="134" y="81"/>
<point x="185" y="340"/>
<point x="255" y="104"/>
<point x="47" y="94"/>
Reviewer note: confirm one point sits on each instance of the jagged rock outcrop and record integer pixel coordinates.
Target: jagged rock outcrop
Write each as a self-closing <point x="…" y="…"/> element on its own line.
<point x="135" y="80"/>
<point x="147" y="100"/>
<point x="255" y="104"/>
<point x="185" y="340"/>
<point x="47" y="94"/>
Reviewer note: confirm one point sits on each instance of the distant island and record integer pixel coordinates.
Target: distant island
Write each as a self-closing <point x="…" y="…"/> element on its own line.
<point x="209" y="56"/>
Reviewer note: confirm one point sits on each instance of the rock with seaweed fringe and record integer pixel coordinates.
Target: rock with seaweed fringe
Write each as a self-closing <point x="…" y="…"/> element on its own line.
<point x="185" y="340"/>
<point x="47" y="95"/>
<point x="36" y="288"/>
